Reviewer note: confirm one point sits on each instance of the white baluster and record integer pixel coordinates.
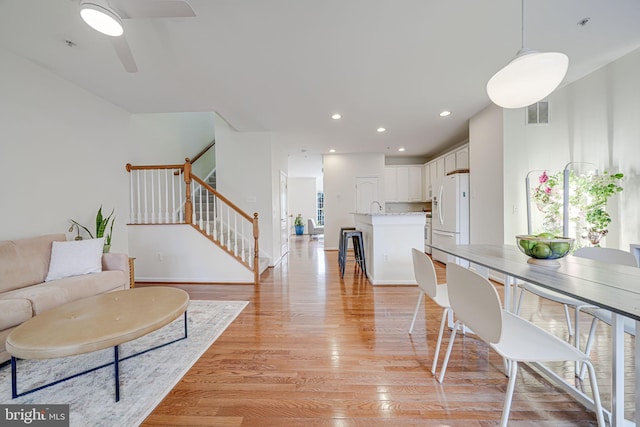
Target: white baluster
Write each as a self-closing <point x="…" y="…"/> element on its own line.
<point x="181" y="211"/>
<point x="173" y="196"/>
<point x="215" y="215"/>
<point x="200" y="202"/>
<point x="193" y="199"/>
<point x="208" y="223"/>
<point x="131" y="221"/>
<point x="146" y="198"/>
<point x="235" y="233"/>
<point x="228" y="228"/>
<point x="242" y="237"/>
<point x="166" y="196"/>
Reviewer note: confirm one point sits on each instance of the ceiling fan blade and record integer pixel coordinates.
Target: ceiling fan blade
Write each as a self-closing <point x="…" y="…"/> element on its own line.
<point x="123" y="51"/>
<point x="154" y="9"/>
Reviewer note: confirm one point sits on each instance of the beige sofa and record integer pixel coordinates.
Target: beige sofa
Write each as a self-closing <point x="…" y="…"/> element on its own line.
<point x="24" y="265"/>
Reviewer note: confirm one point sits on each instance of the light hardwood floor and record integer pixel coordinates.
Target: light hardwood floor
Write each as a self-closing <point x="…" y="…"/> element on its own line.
<point x="312" y="349"/>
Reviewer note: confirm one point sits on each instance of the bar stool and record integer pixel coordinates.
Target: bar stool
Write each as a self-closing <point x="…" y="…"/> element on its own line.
<point x="358" y="250"/>
<point x="341" y="250"/>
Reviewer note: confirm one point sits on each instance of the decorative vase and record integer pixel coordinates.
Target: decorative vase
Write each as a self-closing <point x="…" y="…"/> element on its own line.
<point x="595" y="236"/>
<point x="299" y="230"/>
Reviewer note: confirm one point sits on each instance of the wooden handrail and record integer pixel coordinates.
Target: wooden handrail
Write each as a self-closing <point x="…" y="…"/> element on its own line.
<point x="129" y="167"/>
<point x="204" y="150"/>
<point x="221" y="197"/>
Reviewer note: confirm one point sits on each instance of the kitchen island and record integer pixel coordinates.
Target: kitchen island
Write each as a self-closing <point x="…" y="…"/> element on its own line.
<point x="388" y="240"/>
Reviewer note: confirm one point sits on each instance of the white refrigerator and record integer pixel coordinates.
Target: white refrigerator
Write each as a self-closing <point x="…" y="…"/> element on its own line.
<point x="450" y="210"/>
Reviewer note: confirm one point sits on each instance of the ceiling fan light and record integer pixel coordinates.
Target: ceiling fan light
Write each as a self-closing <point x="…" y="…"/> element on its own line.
<point x="528" y="78"/>
<point x="101" y="19"/>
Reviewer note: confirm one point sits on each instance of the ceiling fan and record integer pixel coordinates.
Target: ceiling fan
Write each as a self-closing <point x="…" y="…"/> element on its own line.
<point x="107" y="18"/>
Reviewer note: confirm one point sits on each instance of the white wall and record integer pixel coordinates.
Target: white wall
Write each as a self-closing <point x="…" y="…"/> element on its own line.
<point x="596" y="119"/>
<point x="62" y="154"/>
<point x="302" y="199"/>
<point x="245" y="176"/>
<point x="180" y="253"/>
<point x="340" y="172"/>
<point x="485" y="180"/>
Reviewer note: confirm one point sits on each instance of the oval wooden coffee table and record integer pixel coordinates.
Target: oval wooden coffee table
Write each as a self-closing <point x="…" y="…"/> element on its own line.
<point x="96" y="323"/>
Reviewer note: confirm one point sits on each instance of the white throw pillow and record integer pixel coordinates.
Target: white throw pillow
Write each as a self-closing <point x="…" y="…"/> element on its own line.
<point x="75" y="258"/>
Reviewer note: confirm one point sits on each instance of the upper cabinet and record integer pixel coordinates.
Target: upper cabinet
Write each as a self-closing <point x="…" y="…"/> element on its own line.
<point x="439" y="167"/>
<point x="403" y="183"/>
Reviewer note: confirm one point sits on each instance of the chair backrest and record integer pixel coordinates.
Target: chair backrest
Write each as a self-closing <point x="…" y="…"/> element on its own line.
<point x="475" y="302"/>
<point x="311" y="225"/>
<point x="608" y="255"/>
<point x="425" y="272"/>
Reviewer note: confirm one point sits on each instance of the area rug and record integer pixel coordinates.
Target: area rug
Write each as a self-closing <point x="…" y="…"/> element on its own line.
<point x="144" y="380"/>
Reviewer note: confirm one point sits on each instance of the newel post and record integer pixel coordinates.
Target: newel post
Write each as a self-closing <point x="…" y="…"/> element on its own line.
<point x="188" y="207"/>
<point x="256" y="250"/>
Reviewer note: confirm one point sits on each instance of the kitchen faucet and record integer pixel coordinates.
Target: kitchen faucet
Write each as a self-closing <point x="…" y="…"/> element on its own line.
<point x="377" y="203"/>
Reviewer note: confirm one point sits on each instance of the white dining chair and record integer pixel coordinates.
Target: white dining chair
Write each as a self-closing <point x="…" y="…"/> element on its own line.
<point x="425" y="274"/>
<point x="609" y="256"/>
<point x="476" y="304"/>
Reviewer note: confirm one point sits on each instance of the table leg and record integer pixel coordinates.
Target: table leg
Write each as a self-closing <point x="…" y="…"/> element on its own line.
<point x="617" y="370"/>
<point x="14" y="379"/>
<point x="637" y="370"/>
<point x="116" y="365"/>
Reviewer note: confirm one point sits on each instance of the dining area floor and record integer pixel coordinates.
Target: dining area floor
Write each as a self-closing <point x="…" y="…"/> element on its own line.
<point x="314" y="349"/>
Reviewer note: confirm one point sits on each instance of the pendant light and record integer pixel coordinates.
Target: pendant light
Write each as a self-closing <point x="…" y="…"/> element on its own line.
<point x="528" y="78"/>
<point x="101" y="18"/>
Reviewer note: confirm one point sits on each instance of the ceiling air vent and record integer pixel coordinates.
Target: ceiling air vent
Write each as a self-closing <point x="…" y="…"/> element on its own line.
<point x="538" y="113"/>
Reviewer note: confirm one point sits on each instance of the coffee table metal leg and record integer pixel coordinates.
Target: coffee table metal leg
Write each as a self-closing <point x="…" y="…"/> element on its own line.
<point x="14" y="379"/>
<point x="116" y="365"/>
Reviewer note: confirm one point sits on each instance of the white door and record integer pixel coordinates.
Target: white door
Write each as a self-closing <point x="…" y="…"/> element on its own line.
<point x="284" y="215"/>
<point x="366" y="193"/>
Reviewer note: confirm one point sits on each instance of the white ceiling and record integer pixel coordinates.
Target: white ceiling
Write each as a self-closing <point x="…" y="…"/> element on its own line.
<point x="285" y="66"/>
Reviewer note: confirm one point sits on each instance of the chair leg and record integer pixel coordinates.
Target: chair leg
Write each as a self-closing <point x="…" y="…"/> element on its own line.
<point x="436" y="353"/>
<point x="449" y="347"/>
<point x="589" y="345"/>
<point x="519" y="305"/>
<point x="513" y="373"/>
<point x="415" y="313"/>
<point x="566" y="315"/>
<point x="596" y="392"/>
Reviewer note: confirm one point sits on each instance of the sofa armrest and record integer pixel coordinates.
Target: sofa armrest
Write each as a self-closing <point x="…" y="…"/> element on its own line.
<point x="114" y="261"/>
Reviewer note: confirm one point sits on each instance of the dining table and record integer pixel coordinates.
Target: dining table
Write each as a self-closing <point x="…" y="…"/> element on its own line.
<point x="612" y="287"/>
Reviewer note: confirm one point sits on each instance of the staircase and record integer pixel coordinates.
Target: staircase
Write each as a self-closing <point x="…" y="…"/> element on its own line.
<point x="172" y="194"/>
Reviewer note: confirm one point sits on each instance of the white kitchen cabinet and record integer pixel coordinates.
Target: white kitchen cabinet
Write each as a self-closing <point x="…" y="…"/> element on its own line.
<point x="449" y="163"/>
<point x="426" y="181"/>
<point x="403" y="183"/>
<point x="415" y="184"/>
<point x="390" y="184"/>
<point x="440" y="167"/>
<point x="462" y="158"/>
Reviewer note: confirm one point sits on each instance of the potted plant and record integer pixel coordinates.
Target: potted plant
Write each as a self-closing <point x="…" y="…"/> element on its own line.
<point x="102" y="223"/>
<point x="299" y="225"/>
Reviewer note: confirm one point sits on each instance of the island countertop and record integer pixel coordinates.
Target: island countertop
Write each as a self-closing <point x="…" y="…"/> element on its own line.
<point x="388" y="240"/>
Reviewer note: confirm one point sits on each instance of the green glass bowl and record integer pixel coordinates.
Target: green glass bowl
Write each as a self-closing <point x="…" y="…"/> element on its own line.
<point x="545" y="249"/>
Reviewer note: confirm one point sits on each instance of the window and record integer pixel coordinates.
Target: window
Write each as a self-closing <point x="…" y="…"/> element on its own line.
<point x="320" y="208"/>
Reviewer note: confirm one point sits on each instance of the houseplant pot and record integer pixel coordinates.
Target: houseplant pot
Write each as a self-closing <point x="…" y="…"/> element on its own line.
<point x="299" y="225"/>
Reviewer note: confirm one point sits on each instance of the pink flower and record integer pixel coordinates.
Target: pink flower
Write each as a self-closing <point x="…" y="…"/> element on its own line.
<point x="544" y="178"/>
<point x="547" y="190"/>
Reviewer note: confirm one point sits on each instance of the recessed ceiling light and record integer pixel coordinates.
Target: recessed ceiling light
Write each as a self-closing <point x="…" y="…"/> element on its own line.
<point x="381" y="129"/>
<point x="332" y="150"/>
<point x="401" y="149"/>
<point x="445" y="113"/>
<point x="336" y="116"/>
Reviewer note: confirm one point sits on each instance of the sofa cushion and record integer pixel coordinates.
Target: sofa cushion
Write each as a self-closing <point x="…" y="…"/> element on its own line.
<point x="13" y="312"/>
<point x="75" y="258"/>
<point x="48" y="295"/>
<point x="25" y="262"/>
